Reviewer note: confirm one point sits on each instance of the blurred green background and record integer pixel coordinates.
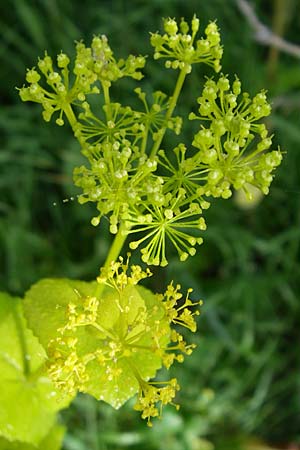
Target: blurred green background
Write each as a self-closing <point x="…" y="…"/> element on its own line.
<point x="241" y="387"/>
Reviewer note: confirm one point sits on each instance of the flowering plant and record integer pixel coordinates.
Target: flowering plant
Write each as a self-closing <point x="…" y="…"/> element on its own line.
<point x="109" y="337"/>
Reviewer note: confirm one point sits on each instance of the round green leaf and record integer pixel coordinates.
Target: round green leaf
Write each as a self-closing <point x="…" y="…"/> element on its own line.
<point x="108" y="357"/>
<point x="52" y="441"/>
<point x="45" y="304"/>
<point x="28" y="399"/>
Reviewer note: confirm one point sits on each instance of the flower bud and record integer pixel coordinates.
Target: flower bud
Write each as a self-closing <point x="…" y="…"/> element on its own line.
<point x="170" y="26"/>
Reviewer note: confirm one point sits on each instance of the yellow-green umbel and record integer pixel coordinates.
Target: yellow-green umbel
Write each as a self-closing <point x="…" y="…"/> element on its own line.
<point x="109" y="338"/>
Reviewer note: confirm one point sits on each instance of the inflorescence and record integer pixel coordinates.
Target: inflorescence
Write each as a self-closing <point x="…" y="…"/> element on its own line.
<point x="128" y="176"/>
<point x="112" y="344"/>
<point x="180" y="49"/>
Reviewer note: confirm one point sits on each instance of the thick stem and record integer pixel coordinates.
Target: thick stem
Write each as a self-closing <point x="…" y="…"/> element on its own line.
<point x="174" y="98"/>
<point x="116" y="246"/>
<point x="105" y="87"/>
<point x="113" y="254"/>
<point x="70" y="116"/>
<point x="144" y="142"/>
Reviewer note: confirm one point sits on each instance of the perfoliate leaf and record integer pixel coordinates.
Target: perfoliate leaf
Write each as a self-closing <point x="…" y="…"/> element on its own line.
<point x="103" y="347"/>
<point x="109" y="338"/>
<point x="28" y="399"/>
<point x="16" y="338"/>
<point x="46" y="302"/>
<point x="52" y="441"/>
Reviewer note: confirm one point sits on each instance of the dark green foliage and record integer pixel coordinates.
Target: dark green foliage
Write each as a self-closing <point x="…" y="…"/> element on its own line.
<point x="244" y="377"/>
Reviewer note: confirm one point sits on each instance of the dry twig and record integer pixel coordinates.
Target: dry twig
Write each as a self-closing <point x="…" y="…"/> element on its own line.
<point x="263" y="34"/>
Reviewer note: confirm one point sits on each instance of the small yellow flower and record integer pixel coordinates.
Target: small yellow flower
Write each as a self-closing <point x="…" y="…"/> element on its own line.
<point x="111" y="345"/>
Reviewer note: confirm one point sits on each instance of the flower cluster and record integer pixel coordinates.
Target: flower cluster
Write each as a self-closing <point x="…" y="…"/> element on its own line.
<point x="124" y="122"/>
<point x="181" y="51"/>
<point x="151" y="394"/>
<point x="174" y="219"/>
<point x="183" y="175"/>
<point x="111" y="344"/>
<point x="106" y="67"/>
<point x="119" y="179"/>
<point x="153" y="195"/>
<point x="110" y="337"/>
<point x="61" y="88"/>
<point x="91" y="130"/>
<point x="55" y="91"/>
<point x="153" y="117"/>
<point x="234" y="148"/>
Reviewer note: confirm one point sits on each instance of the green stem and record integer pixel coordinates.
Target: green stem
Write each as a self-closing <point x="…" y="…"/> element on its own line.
<point x="70" y="116"/>
<point x="174" y="98"/>
<point x="113" y="254"/>
<point x="144" y="142"/>
<point x="105" y="88"/>
<point x="116" y="246"/>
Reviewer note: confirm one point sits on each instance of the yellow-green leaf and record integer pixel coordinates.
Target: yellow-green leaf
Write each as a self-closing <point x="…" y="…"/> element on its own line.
<point x="28" y="399"/>
<point x="52" y="441"/>
<point x="106" y="356"/>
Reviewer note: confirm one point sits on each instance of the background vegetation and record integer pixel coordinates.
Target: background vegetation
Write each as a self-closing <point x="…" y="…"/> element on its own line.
<point x="241" y="388"/>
